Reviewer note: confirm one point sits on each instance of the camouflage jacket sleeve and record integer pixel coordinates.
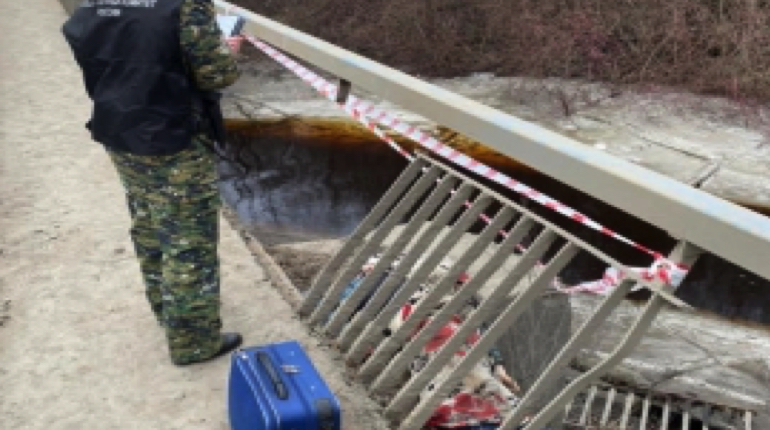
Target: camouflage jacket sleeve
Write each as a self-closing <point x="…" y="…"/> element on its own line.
<point x="210" y="61"/>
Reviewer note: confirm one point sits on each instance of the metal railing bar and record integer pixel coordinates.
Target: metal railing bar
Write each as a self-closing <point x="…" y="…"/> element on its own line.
<point x="404" y="237"/>
<point x="645" y="413"/>
<point x="608" y="406"/>
<point x="385" y="382"/>
<point x="630" y="400"/>
<point x="488" y="309"/>
<point x="387" y="348"/>
<point x="686" y="418"/>
<point x="419" y="234"/>
<point x="369" y="247"/>
<point x="585" y="246"/>
<point x="586" y="414"/>
<point x="447" y="282"/>
<point x="359" y="348"/>
<point x="747" y="418"/>
<point x="406" y="396"/>
<point x="324" y="278"/>
<point x="506" y="267"/>
<point x="666" y="414"/>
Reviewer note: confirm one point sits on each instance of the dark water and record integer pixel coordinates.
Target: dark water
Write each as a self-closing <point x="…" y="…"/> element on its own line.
<point x="318" y="179"/>
<point x="307" y="184"/>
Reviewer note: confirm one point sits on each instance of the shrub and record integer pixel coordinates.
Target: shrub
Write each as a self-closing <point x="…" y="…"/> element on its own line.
<point x="719" y="47"/>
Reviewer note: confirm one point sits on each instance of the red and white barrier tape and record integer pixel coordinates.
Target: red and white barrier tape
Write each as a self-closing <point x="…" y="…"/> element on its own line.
<point x="612" y="277"/>
<point x="668" y="272"/>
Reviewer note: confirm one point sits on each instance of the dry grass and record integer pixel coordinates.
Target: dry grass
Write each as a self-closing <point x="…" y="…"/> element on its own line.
<point x="719" y="47"/>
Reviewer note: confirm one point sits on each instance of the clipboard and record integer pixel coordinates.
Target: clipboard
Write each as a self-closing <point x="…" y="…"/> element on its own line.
<point x="230" y="25"/>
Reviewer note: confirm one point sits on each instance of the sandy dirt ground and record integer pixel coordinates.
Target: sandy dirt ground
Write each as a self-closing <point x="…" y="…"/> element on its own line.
<point x="79" y="348"/>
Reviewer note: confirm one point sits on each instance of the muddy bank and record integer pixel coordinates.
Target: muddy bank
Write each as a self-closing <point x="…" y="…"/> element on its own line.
<point x="300" y="267"/>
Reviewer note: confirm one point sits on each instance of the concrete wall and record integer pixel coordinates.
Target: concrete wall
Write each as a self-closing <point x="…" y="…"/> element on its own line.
<point x="70" y="5"/>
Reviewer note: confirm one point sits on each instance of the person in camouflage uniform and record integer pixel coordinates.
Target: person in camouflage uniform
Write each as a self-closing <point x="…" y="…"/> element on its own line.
<point x="174" y="205"/>
<point x="174" y="202"/>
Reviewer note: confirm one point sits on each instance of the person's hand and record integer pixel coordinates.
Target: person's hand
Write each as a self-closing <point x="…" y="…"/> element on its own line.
<point x="503" y="376"/>
<point x="234" y="43"/>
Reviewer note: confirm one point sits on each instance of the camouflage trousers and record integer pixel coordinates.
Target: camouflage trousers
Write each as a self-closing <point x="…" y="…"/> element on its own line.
<point x="174" y="204"/>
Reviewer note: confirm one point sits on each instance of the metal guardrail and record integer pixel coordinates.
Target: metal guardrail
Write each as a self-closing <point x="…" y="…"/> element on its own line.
<point x="420" y="232"/>
<point x="688" y="214"/>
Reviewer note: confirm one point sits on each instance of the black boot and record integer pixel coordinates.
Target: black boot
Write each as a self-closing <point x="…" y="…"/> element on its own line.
<point x="230" y="341"/>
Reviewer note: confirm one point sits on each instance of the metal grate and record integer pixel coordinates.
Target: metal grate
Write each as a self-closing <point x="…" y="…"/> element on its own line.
<point x="604" y="407"/>
<point x="424" y="217"/>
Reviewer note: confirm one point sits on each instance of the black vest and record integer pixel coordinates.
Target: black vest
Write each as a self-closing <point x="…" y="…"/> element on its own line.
<point x="134" y="71"/>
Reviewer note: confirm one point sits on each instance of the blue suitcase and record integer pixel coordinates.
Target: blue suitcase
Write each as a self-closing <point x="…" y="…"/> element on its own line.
<point x="276" y="387"/>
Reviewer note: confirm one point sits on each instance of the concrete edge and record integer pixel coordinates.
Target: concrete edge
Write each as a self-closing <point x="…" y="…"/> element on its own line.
<point x="274" y="272"/>
<point x="373" y="412"/>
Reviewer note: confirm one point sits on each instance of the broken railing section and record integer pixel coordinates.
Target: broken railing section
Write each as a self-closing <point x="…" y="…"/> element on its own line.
<point x="418" y="224"/>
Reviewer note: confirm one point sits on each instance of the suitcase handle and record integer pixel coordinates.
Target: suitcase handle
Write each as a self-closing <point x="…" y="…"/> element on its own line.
<point x="272" y="373"/>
